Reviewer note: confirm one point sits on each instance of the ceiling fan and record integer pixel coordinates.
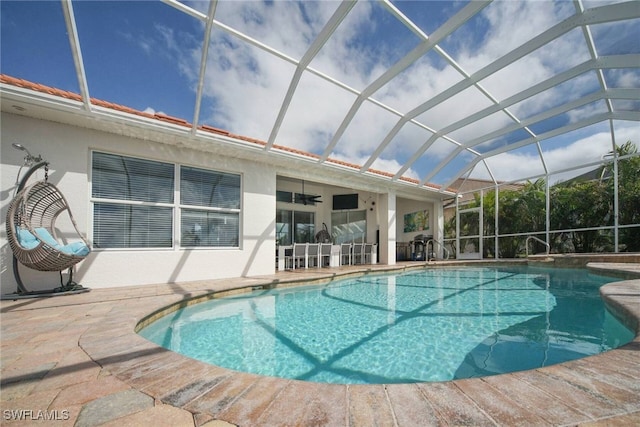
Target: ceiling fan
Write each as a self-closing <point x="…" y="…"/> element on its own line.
<point x="306" y="198"/>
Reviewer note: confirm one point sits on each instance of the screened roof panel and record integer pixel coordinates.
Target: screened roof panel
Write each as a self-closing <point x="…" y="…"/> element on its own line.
<point x="499" y="28"/>
<point x="448" y="169"/>
<point x="473" y="133"/>
<point x="48" y="47"/>
<point x="549" y="60"/>
<point x="403" y="146"/>
<point x="479" y="170"/>
<point x="581" y="146"/>
<point x="246" y="84"/>
<point x="115" y="48"/>
<point x="423" y="79"/>
<point x="455" y="108"/>
<point x="625" y="105"/>
<point x="428" y="159"/>
<point x="571" y="116"/>
<point x="561" y="94"/>
<point x="617" y="38"/>
<point x="410" y="138"/>
<point x="503" y="140"/>
<point x="622" y="77"/>
<point x="429" y="16"/>
<point x="364" y="45"/>
<point x="376" y="84"/>
<point x="311" y="125"/>
<point x="368" y="127"/>
<point x="287" y="27"/>
<point x="529" y="162"/>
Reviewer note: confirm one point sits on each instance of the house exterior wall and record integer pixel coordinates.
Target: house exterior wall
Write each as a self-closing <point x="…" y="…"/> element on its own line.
<point x="406" y="206"/>
<point x="367" y="201"/>
<point x="387" y="208"/>
<point x="68" y="150"/>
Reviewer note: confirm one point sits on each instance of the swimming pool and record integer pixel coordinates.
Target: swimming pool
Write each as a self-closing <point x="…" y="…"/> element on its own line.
<point x="425" y="325"/>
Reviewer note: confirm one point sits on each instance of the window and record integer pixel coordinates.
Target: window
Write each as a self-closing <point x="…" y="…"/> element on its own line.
<point x="213" y="215"/>
<point x="349" y="226"/>
<point x="296" y="226"/>
<point x="284" y="222"/>
<point x="305" y="227"/>
<point x="134" y="205"/>
<point x="284" y="196"/>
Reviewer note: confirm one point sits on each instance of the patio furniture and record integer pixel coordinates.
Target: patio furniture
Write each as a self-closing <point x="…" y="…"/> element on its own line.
<point x="345" y="254"/>
<point x="31" y="232"/>
<point x="313" y="255"/>
<point x="366" y="253"/>
<point x="358" y="253"/>
<point x="298" y="256"/>
<point x="324" y="259"/>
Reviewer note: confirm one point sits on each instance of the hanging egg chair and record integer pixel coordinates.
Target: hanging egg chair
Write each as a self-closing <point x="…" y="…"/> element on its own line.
<point x="31" y="230"/>
<point x="31" y="233"/>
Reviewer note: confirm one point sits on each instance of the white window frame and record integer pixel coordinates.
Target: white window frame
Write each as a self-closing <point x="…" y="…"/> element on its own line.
<point x="176" y="207"/>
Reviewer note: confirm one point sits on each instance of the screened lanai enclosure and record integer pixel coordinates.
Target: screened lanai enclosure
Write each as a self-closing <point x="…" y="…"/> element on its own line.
<point x="597" y="211"/>
<point x="523" y="117"/>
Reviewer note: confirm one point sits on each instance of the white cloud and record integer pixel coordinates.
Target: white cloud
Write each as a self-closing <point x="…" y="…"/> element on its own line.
<point x="245" y="86"/>
<point x="587" y="111"/>
<point x="289" y="27"/>
<point x="310" y="125"/>
<point x="393" y="166"/>
<point x="248" y="85"/>
<point x="512" y="165"/>
<point x="381" y="164"/>
<point x="625" y="78"/>
<point x="150" y="110"/>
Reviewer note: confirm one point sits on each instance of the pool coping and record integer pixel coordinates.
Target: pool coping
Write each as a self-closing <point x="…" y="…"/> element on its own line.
<point x="597" y="388"/>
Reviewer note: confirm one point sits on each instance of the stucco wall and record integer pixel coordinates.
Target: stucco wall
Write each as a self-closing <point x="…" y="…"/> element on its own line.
<point x="68" y="148"/>
<point x="406" y="206"/>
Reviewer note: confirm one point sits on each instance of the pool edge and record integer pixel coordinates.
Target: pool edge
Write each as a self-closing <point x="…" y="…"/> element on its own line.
<point x="460" y="390"/>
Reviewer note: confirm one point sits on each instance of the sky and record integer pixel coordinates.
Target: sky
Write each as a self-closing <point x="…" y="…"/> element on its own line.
<point x="147" y="54"/>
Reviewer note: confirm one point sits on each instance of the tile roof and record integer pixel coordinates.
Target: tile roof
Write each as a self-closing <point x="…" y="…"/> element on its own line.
<point x="25" y="84"/>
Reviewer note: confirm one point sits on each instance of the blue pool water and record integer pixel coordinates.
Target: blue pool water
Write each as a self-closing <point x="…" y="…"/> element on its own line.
<point x="428" y="325"/>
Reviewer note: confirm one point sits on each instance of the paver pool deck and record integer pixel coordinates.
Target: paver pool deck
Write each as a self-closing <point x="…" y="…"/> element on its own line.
<point x="76" y="361"/>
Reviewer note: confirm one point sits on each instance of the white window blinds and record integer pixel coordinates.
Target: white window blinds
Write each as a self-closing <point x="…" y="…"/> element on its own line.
<point x="134" y="206"/>
<point x="210" y="214"/>
<point x="200" y="187"/>
<point x="126" y="178"/>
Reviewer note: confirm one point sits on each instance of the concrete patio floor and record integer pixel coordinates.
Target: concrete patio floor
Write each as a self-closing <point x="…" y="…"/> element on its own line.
<point x="76" y="361"/>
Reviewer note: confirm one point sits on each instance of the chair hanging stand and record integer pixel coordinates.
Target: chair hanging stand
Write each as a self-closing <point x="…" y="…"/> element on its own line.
<point x="30" y="226"/>
<point x="323" y="236"/>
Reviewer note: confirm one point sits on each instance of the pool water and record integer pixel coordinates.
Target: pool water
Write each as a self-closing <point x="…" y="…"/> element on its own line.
<point x="426" y="325"/>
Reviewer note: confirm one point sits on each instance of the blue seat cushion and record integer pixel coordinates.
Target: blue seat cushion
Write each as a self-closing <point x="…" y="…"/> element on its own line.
<point x="75" y="248"/>
<point x="29" y="241"/>
<point x="26" y="239"/>
<point x="44" y="235"/>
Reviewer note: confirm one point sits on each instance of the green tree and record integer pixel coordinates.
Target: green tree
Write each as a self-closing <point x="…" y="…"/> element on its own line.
<point x="581" y="205"/>
<point x="510" y="220"/>
<point x="628" y="195"/>
<point x="575" y="205"/>
<point x="519" y="211"/>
